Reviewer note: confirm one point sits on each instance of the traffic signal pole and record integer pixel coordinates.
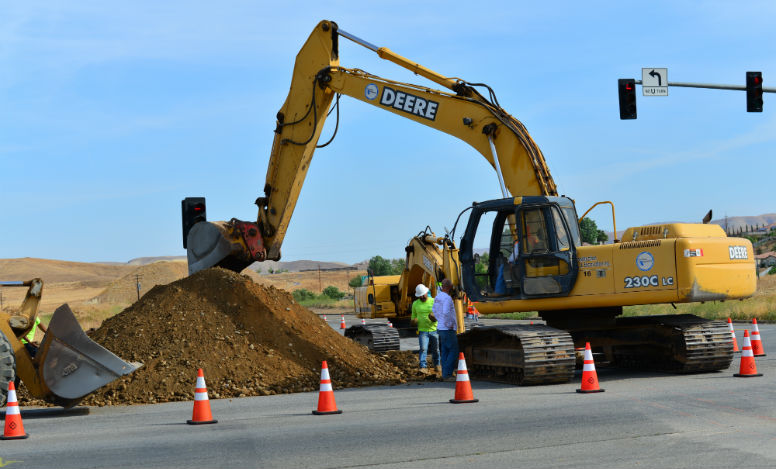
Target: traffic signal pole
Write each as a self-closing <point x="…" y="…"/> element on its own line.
<point x="712" y="86"/>
<point x="626" y="89"/>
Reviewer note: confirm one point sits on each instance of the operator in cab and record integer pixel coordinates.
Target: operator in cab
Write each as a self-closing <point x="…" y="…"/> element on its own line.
<point x="501" y="287"/>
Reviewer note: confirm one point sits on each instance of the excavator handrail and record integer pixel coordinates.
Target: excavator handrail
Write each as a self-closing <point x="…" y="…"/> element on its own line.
<point x="614" y="221"/>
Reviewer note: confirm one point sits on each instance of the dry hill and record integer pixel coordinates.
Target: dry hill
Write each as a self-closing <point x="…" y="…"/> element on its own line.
<point x="52" y="271"/>
<point x="124" y="289"/>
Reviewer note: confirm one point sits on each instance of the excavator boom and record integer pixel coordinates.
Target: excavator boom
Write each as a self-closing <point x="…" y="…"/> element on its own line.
<point x="317" y="78"/>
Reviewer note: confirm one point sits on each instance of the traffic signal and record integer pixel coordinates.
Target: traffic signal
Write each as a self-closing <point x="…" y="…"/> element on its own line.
<point x="626" y="87"/>
<point x="192" y="212"/>
<point x="754" y="92"/>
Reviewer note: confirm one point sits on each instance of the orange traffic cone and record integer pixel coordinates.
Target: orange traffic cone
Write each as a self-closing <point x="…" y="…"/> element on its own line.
<point x="589" y="376"/>
<point x="390" y="324"/>
<point x="733" y="334"/>
<point x="326" y="404"/>
<point x="748" y="368"/>
<point x="757" y="344"/>
<point x="463" y="388"/>
<point x="324" y="318"/>
<point x="342" y="323"/>
<point x="363" y="322"/>
<point x="201" y="413"/>
<point x="14" y="429"/>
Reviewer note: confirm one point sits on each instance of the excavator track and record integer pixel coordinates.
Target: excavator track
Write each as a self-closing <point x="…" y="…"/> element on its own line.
<point x="519" y="354"/>
<point x="377" y="338"/>
<point x="676" y="343"/>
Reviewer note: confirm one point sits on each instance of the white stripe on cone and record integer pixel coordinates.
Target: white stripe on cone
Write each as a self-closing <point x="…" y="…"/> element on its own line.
<point x="747" y="351"/>
<point x="325" y="374"/>
<point x="326" y="387"/>
<point x="463" y="374"/>
<point x="200" y="396"/>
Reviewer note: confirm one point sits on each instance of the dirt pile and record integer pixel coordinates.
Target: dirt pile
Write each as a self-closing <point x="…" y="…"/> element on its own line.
<point x="249" y="339"/>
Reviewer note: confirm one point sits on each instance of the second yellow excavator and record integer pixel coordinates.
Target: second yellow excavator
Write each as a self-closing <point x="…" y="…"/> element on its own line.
<point x="537" y="259"/>
<point x="66" y="366"/>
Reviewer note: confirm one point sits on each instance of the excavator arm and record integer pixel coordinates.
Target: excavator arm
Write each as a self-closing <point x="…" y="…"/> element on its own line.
<point x="462" y="112"/>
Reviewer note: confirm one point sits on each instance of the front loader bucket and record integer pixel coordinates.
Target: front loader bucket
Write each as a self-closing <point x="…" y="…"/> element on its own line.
<point x="72" y="364"/>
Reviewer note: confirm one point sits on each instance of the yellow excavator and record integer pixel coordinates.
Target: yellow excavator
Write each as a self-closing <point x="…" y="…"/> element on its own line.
<point x="66" y="366"/>
<point x="537" y="259"/>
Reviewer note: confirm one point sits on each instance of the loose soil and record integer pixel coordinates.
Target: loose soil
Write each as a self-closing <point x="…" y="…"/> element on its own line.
<point x="249" y="339"/>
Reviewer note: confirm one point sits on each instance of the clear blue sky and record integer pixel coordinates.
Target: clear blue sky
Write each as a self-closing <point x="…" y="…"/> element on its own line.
<point x="112" y="112"/>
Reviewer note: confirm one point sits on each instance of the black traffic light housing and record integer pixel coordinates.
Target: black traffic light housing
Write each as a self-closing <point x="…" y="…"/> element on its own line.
<point x="626" y="88"/>
<point x="754" y="92"/>
<point x="192" y="212"/>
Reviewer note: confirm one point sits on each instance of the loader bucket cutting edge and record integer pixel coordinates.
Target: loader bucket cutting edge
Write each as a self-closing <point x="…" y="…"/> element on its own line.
<point x="73" y="364"/>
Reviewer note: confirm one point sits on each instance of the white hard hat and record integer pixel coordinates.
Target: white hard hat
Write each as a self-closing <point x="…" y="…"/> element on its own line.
<point x="421" y="290"/>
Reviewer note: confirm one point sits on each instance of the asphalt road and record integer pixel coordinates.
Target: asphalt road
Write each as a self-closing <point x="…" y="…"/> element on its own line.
<point x="706" y="420"/>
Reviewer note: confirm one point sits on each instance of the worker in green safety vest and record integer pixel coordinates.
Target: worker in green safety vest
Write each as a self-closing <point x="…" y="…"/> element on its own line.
<point x="29" y="339"/>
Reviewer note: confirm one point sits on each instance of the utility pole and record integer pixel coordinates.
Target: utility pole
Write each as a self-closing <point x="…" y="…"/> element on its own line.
<point x="137" y="283"/>
<point x="320" y="287"/>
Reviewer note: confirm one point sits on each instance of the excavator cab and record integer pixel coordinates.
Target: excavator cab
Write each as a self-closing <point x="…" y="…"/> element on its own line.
<point x="532" y="246"/>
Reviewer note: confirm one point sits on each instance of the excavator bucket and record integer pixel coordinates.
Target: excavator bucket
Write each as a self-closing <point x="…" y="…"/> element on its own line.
<point x="72" y="365"/>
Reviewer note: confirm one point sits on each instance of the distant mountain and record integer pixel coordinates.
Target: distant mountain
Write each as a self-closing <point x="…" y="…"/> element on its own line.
<point x="733" y="223"/>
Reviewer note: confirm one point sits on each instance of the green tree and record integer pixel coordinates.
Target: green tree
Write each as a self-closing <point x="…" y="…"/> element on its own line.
<point x="397" y="266"/>
<point x="381" y="266"/>
<point x="355" y="282"/>
<point x="303" y="294"/>
<point x="590" y="233"/>
<point x="333" y="292"/>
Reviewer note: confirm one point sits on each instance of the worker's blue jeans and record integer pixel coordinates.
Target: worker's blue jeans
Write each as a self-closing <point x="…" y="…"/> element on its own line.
<point x="448" y="346"/>
<point x="426" y="340"/>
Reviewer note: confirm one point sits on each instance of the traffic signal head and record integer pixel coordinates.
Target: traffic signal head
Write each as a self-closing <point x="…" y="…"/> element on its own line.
<point x="626" y="88"/>
<point x="754" y="92"/>
<point x="192" y="212"/>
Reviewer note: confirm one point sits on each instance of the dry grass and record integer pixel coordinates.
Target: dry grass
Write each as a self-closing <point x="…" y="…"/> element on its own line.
<point x="291" y="281"/>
